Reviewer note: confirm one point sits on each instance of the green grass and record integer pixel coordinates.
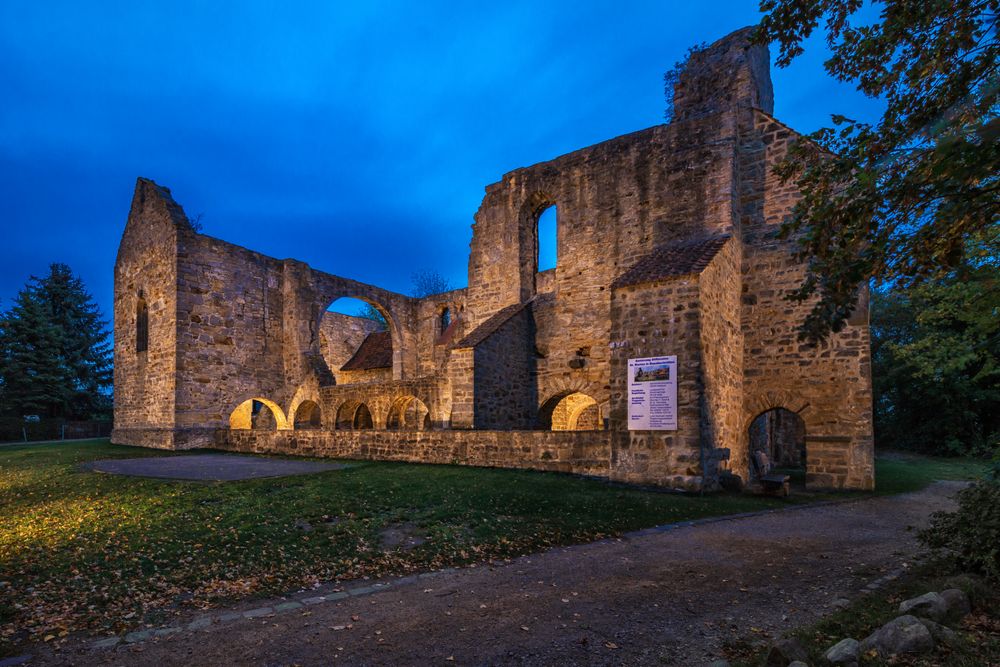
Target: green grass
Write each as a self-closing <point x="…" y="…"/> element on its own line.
<point x="900" y="472"/>
<point x="87" y="551"/>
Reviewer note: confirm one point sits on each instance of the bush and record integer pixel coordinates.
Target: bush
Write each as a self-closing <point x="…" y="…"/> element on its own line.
<point x="971" y="534"/>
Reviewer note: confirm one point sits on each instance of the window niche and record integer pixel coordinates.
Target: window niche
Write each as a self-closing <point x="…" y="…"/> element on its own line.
<point x="547" y="232"/>
<point x="141" y="325"/>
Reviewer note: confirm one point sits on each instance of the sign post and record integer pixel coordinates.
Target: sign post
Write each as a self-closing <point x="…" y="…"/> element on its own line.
<point x="652" y="394"/>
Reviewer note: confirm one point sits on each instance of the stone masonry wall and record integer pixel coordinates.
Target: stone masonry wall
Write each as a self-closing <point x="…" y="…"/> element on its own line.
<point x="228" y="324"/>
<point x="340" y="337"/>
<point x="829" y="386"/>
<point x="658" y="319"/>
<point x="580" y="452"/>
<point x="504" y="381"/>
<point x="146" y="265"/>
<point x="721" y="341"/>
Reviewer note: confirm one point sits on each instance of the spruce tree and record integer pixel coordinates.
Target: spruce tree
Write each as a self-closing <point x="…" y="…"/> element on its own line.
<point x="55" y="353"/>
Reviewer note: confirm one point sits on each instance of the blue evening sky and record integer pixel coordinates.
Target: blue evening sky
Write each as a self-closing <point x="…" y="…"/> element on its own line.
<point x="357" y="137"/>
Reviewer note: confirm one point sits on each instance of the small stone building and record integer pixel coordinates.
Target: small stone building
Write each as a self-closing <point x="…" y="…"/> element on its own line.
<point x="667" y="245"/>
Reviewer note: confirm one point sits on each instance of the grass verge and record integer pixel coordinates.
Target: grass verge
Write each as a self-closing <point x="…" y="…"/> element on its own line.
<point x="87" y="551"/>
<point x="978" y="636"/>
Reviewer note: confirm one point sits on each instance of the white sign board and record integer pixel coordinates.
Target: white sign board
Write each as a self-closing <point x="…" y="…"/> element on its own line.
<point x="652" y="394"/>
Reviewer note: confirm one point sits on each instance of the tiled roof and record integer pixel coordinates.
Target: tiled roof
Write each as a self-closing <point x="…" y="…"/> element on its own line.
<point x="374" y="352"/>
<point x="487" y="328"/>
<point x="484" y="330"/>
<point x="672" y="261"/>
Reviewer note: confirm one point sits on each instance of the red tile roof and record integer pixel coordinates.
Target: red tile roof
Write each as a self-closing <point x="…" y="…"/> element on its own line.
<point x="672" y="261"/>
<point x="499" y="318"/>
<point x="374" y="352"/>
<point x="484" y="330"/>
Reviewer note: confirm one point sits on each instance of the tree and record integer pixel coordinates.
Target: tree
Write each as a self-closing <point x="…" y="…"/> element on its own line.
<point x="936" y="358"/>
<point x="899" y="199"/>
<point x="370" y="312"/>
<point x="426" y="283"/>
<point x="55" y="354"/>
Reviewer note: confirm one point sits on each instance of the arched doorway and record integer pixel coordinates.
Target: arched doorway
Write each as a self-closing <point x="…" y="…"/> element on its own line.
<point x="308" y="416"/>
<point x="408" y="413"/>
<point x="781" y="435"/>
<point x="573" y="411"/>
<point x="258" y="413"/>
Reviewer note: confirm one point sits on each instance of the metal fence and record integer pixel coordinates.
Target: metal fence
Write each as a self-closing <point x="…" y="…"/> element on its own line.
<point x="19" y="430"/>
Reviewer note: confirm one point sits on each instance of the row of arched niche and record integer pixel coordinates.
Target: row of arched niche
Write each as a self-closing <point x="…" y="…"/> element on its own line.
<point x="574" y="411"/>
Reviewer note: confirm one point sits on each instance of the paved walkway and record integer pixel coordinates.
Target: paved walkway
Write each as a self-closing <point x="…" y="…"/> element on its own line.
<point x="210" y="467"/>
<point x="670" y="597"/>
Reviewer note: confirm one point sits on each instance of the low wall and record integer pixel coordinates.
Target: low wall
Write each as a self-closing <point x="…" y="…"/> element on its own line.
<point x="579" y="452"/>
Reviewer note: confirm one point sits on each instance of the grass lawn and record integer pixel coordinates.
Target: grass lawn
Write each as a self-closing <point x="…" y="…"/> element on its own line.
<point x="88" y="551"/>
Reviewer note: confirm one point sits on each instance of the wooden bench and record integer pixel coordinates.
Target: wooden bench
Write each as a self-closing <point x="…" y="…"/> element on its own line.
<point x="771" y="483"/>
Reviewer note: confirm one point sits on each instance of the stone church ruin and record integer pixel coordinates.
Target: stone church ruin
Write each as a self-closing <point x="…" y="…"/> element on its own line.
<point x="667" y="245"/>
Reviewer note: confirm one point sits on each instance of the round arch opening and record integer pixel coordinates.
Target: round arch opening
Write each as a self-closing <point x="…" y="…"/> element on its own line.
<point x="408" y="413"/>
<point x="357" y="340"/>
<point x="572" y="411"/>
<point x="259" y="414"/>
<point x="353" y="416"/>
<point x="308" y="416"/>
<point x="780" y="435"/>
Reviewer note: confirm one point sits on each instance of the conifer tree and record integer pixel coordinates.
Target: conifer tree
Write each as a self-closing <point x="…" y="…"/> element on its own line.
<point x="55" y="353"/>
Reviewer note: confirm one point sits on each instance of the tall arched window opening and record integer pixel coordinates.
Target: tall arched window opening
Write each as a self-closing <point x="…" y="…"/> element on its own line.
<point x="445" y="320"/>
<point x="548" y="251"/>
<point x="141" y="325"/>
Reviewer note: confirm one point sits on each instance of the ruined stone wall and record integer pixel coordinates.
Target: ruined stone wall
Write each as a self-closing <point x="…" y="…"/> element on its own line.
<point x="721" y="342"/>
<point x="658" y="319"/>
<point x="615" y="202"/>
<point x="433" y="344"/>
<point x="829" y="386"/>
<point x="228" y="324"/>
<point x="580" y="452"/>
<point x="379" y="398"/>
<point x="230" y="330"/>
<point x="504" y="383"/>
<point x="146" y="269"/>
<point x="340" y="336"/>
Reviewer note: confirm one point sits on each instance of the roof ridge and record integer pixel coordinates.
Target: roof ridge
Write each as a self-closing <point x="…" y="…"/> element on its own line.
<point x="672" y="260"/>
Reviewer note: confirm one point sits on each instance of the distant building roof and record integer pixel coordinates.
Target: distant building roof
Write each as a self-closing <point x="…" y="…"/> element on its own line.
<point x="672" y="261"/>
<point x="374" y="352"/>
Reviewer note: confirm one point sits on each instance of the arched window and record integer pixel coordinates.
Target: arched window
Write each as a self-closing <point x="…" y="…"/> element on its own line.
<point x="445" y="319"/>
<point x="141" y="325"/>
<point x="548" y="251"/>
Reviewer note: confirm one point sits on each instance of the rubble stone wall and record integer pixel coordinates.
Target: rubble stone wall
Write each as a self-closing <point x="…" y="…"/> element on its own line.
<point x="579" y="452"/>
<point x="227" y="325"/>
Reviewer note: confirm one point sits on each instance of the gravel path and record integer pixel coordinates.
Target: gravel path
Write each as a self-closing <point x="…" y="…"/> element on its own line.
<point x="664" y="598"/>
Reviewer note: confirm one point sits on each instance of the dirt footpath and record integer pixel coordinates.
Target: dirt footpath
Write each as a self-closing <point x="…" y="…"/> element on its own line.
<point x="662" y="598"/>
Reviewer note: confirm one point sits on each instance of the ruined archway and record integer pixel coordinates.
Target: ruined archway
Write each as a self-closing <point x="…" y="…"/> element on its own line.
<point x="571" y="411"/>
<point x="308" y="416"/>
<point x="259" y="414"/>
<point x="363" y="418"/>
<point x="353" y="416"/>
<point x="357" y="340"/>
<point x="408" y="413"/>
<point x="781" y="435"/>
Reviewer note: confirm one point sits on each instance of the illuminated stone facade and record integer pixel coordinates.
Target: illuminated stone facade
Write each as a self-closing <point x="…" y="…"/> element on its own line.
<point x="667" y="245"/>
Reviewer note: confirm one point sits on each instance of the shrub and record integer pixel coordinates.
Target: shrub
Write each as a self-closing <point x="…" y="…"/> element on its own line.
<point x="970" y="534"/>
